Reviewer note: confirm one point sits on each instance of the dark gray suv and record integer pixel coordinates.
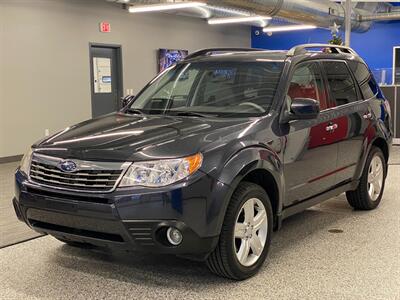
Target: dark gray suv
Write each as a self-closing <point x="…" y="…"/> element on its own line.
<point x="210" y="157"/>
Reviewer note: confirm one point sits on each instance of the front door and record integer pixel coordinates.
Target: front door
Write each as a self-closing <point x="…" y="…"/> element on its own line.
<point x="311" y="153"/>
<point x="106" y="81"/>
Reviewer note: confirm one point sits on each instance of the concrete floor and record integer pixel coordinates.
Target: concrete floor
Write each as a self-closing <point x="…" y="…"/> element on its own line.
<point x="306" y="262"/>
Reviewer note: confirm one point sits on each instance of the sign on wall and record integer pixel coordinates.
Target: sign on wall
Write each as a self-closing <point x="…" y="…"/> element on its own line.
<point x="105" y="27"/>
<point x="169" y="57"/>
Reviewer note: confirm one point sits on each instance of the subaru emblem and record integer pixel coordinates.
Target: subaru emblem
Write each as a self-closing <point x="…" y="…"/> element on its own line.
<point x="67" y="166"/>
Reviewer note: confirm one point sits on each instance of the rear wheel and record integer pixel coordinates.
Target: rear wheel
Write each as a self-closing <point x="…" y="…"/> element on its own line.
<point x="246" y="234"/>
<point x="369" y="192"/>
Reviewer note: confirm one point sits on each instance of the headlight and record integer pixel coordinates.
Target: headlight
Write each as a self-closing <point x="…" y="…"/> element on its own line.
<point x="26" y="162"/>
<point x="161" y="172"/>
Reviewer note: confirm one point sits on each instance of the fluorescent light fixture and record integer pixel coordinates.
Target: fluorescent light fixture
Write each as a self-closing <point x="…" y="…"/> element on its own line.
<point x="164" y="6"/>
<point x="288" y="28"/>
<point x="231" y="20"/>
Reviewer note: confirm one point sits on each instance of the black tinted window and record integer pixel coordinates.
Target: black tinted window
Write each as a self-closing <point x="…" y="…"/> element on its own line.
<point x="364" y="78"/>
<point x="341" y="83"/>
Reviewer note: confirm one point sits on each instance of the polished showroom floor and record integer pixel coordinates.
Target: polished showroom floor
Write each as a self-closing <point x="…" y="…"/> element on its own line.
<point x="326" y="252"/>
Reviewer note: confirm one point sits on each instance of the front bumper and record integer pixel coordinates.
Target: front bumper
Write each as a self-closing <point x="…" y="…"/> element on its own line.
<point x="129" y="219"/>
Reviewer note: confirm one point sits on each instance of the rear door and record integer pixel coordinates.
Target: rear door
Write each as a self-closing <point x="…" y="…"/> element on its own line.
<point x="352" y="117"/>
<point x="310" y="152"/>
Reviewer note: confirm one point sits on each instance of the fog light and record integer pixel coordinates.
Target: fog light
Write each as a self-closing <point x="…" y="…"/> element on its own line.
<point x="174" y="236"/>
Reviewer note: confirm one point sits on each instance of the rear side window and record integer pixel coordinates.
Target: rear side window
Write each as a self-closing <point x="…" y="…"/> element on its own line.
<point x="365" y="80"/>
<point x="307" y="83"/>
<point x="341" y="83"/>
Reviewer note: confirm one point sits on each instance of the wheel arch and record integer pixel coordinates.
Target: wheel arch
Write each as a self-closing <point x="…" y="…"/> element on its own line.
<point x="257" y="165"/>
<point x="379" y="142"/>
<point x="383" y="145"/>
<point x="266" y="180"/>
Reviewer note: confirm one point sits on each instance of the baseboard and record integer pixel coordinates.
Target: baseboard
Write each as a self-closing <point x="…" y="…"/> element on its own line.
<point x="396" y="141"/>
<point x="8" y="159"/>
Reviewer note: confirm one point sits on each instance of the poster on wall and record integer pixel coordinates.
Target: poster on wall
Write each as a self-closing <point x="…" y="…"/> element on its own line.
<point x="169" y="57"/>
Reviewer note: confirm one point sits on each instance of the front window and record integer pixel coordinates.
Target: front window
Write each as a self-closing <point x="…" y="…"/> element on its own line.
<point x="307" y="83"/>
<point x="212" y="88"/>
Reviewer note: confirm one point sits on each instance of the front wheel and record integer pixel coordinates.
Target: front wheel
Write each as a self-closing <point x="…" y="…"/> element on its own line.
<point x="246" y="234"/>
<point x="369" y="192"/>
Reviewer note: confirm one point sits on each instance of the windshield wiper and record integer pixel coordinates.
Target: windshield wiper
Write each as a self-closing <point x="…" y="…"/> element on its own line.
<point x="135" y="111"/>
<point x="193" y="114"/>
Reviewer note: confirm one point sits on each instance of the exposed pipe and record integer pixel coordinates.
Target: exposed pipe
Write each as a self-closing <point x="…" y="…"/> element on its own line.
<point x="322" y="13"/>
<point x="380" y="17"/>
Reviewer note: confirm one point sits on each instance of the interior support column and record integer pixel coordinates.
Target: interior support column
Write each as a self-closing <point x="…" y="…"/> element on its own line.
<point x="347" y="22"/>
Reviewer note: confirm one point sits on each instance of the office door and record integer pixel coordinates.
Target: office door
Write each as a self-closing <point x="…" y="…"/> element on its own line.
<point x="106" y="79"/>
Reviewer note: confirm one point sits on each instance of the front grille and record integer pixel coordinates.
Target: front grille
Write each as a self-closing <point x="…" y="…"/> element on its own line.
<point x="76" y="231"/>
<point x="68" y="196"/>
<point x="86" y="180"/>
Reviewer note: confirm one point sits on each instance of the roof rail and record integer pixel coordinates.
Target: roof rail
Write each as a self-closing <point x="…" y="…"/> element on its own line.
<point x="209" y="51"/>
<point x="301" y="49"/>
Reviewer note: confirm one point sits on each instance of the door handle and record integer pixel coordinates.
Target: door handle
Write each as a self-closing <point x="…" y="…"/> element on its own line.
<point x="331" y="127"/>
<point x="367" y="115"/>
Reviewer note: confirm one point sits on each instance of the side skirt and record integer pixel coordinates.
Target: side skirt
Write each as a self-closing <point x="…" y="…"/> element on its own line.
<point x="303" y="205"/>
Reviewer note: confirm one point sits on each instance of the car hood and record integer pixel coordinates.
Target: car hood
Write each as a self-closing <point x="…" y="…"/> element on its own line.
<point x="125" y="137"/>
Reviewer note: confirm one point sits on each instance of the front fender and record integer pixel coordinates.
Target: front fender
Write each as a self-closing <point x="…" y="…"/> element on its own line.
<point x="237" y="167"/>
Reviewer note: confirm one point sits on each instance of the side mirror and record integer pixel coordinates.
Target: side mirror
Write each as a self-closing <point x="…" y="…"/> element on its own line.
<point x="125" y="100"/>
<point x="303" y="109"/>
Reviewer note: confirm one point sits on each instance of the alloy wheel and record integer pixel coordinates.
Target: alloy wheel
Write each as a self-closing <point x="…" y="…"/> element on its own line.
<point x="375" y="177"/>
<point x="251" y="229"/>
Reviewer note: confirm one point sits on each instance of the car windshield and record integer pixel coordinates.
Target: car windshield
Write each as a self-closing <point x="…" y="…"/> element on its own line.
<point x="228" y="89"/>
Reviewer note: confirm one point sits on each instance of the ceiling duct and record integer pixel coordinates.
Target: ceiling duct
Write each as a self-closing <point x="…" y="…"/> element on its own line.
<point x="380" y="17"/>
<point x="321" y="13"/>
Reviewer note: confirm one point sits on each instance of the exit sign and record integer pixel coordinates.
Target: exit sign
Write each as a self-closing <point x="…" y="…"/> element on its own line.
<point x="105" y="27"/>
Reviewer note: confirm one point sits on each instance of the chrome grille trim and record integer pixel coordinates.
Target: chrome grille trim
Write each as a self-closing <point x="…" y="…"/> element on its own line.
<point x="49" y="174"/>
<point x="93" y="177"/>
<point x="78" y="173"/>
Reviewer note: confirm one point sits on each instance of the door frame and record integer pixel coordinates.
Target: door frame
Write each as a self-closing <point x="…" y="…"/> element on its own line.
<point x="120" y="86"/>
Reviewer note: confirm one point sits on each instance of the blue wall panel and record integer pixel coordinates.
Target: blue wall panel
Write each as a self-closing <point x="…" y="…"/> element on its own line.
<point x="375" y="45"/>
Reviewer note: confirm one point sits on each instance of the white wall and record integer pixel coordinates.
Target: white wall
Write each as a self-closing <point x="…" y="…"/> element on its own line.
<point x="44" y="59"/>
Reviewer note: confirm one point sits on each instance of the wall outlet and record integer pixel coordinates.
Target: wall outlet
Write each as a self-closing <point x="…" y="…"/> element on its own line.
<point x="46" y="132"/>
<point x="129" y="91"/>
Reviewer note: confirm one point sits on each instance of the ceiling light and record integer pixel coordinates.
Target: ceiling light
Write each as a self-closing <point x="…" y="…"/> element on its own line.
<point x="288" y="28"/>
<point x="216" y="21"/>
<point x="165" y="6"/>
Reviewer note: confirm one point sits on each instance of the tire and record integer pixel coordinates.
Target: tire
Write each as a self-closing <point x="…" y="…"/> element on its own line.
<point x="224" y="260"/>
<point x="361" y="198"/>
<point x="74" y="244"/>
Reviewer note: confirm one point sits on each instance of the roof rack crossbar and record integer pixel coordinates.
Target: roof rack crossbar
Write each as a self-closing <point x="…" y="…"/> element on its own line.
<point x="301" y="49"/>
<point x="209" y="51"/>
